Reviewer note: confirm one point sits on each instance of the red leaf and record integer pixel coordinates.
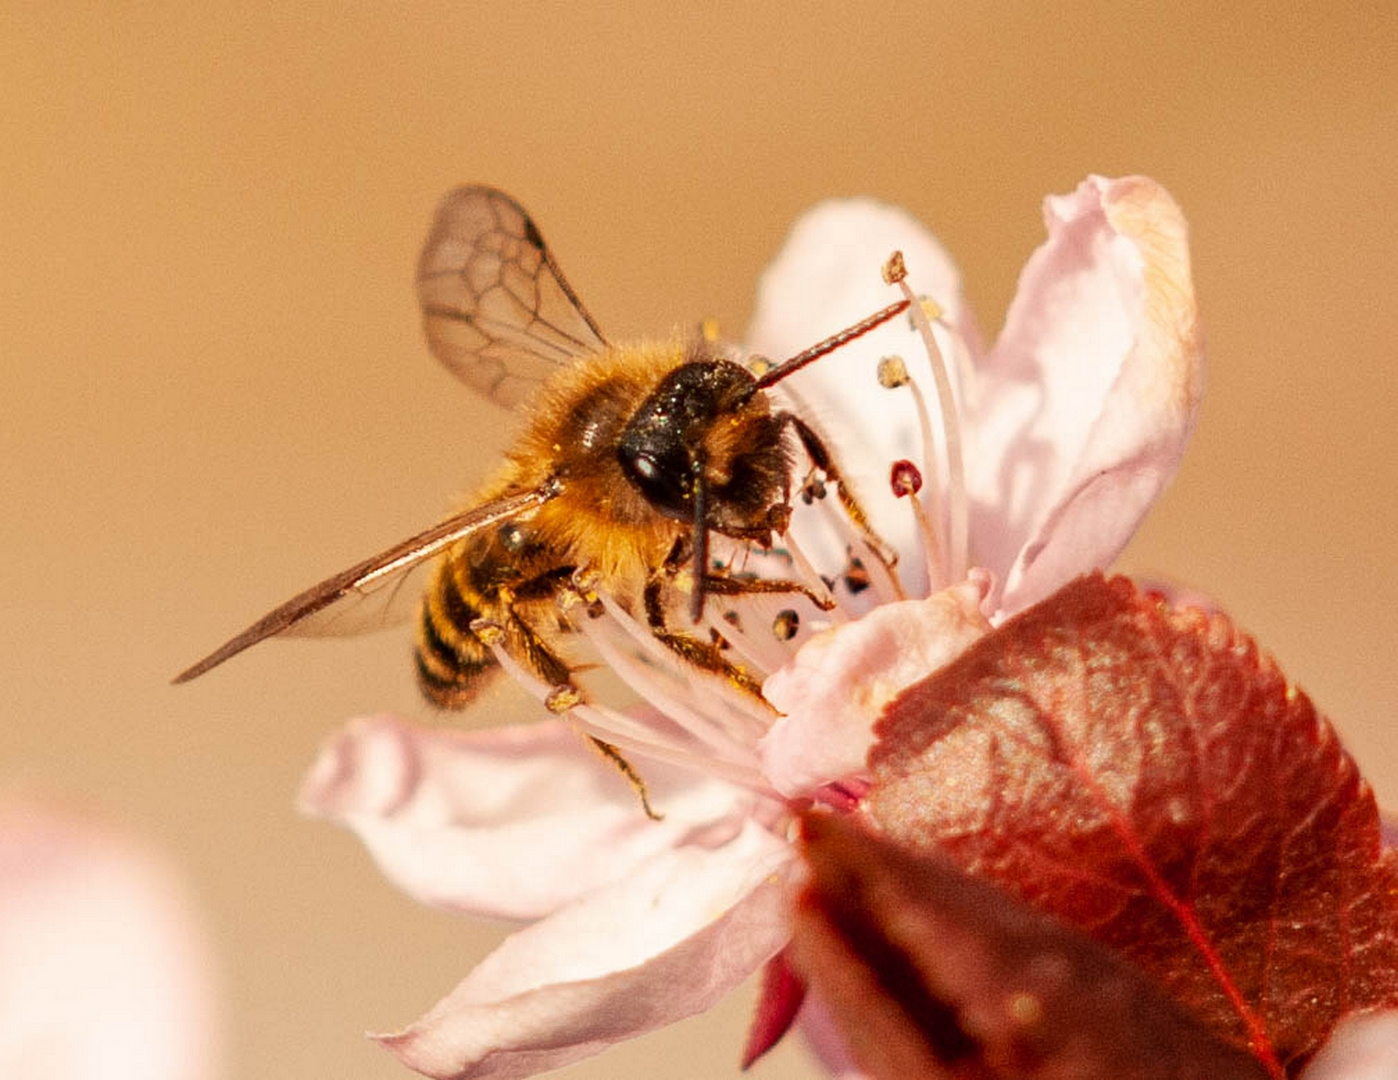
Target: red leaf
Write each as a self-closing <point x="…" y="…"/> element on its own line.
<point x="1143" y="773"/>
<point x="932" y="973"/>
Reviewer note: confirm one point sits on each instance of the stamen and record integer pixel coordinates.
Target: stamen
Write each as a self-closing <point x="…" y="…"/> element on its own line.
<point x="612" y="726"/>
<point x="893" y="373"/>
<point x="763" y="657"/>
<point x="887" y="587"/>
<point x="806" y="574"/>
<point x="951" y="430"/>
<point x="750" y="717"/>
<point x="659" y="737"/>
<point x="906" y="482"/>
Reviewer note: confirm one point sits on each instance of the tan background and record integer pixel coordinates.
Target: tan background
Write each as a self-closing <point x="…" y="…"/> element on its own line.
<point x="213" y="390"/>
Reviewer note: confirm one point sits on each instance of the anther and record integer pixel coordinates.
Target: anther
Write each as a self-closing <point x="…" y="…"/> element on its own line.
<point x="894" y="270"/>
<point x="759" y="365"/>
<point x="488" y="631"/>
<point x="905" y="478"/>
<point x="562" y="698"/>
<point x="786" y="624"/>
<point x="893" y="372"/>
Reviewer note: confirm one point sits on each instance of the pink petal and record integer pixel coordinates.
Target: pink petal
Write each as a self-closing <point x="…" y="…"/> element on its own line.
<point x="1083" y="408"/>
<point x="104" y="974"/>
<point x="508" y="822"/>
<point x="823" y="1037"/>
<point x="827" y="276"/>
<point x="665" y="943"/>
<point x="840" y="681"/>
<point x="1361" y="1048"/>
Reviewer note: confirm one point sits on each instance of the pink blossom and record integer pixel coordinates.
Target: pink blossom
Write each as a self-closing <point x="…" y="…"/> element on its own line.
<point x="1068" y="428"/>
<point x="104" y="974"/>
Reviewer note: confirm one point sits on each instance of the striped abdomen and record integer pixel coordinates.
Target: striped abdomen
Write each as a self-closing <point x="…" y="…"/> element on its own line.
<point x="453" y="665"/>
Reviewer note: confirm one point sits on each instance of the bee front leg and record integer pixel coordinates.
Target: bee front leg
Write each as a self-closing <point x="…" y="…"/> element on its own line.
<point x="824" y="460"/>
<point x="705" y="655"/>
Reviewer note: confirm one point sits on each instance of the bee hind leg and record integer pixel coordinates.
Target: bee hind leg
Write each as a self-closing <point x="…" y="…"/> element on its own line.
<point x="527" y="647"/>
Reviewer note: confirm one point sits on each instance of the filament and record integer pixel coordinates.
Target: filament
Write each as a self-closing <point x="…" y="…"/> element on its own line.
<point x="951" y="431"/>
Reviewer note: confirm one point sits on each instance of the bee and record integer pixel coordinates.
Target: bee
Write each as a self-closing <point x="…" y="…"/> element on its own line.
<point x="630" y="460"/>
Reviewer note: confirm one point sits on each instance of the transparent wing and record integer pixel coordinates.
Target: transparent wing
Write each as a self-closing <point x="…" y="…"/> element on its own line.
<point x="496" y="308"/>
<point x="371" y="592"/>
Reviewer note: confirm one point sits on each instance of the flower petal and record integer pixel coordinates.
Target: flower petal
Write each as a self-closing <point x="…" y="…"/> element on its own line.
<point x="826" y="277"/>
<point x="842" y="678"/>
<point x="104" y="974"/>
<point x="1082" y="410"/>
<point x="665" y="943"/>
<point x="508" y="822"/>
<point x="1361" y="1048"/>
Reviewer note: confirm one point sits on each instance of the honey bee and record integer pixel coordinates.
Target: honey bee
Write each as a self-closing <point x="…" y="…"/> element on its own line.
<point x="631" y="458"/>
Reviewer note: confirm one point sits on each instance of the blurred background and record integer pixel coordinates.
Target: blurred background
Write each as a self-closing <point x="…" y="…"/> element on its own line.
<point x="214" y="391"/>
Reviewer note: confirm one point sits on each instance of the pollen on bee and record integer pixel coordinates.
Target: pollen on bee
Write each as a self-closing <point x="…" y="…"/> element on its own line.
<point x="708" y="330"/>
<point x="893" y="372"/>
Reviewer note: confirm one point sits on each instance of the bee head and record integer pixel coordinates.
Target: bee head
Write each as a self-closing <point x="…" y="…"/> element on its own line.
<point x="706" y="434"/>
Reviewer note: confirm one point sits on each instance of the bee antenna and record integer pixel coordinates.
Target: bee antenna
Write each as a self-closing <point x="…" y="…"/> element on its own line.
<point x="830" y="344"/>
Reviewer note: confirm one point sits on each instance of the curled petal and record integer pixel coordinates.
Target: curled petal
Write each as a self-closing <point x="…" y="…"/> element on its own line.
<point x="826" y="277"/>
<point x="842" y="678"/>
<point x="1082" y="410"/>
<point x="663" y="944"/>
<point x="508" y="822"/>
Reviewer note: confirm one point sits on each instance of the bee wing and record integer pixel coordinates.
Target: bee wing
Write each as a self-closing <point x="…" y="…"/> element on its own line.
<point x="341" y="603"/>
<point x="496" y="308"/>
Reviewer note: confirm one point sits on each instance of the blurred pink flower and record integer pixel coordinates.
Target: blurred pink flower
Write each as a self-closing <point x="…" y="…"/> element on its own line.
<point x="104" y="974"/>
<point x="1071" y="425"/>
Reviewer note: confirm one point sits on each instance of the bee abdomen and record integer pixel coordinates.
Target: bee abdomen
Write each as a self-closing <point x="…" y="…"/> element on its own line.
<point x="453" y="665"/>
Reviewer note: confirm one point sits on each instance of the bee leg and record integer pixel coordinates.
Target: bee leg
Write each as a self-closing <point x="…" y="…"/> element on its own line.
<point x="619" y="762"/>
<point x="705" y="655"/>
<point x="528" y="647"/>
<point x="824" y="460"/>
<point x="720" y="585"/>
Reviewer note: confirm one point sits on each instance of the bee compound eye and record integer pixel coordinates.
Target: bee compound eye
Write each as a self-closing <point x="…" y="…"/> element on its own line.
<point x="665" y="483"/>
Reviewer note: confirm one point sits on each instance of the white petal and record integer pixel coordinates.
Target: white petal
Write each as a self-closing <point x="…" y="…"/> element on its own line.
<point x="1083" y="408"/>
<point x="826" y="277"/>
<point x="508" y="822"/>
<point x="840" y="681"/>
<point x="1361" y="1048"/>
<point x="665" y="943"/>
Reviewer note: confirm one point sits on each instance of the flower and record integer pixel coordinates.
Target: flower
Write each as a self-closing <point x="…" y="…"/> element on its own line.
<point x="103" y="970"/>
<point x="1040" y="459"/>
